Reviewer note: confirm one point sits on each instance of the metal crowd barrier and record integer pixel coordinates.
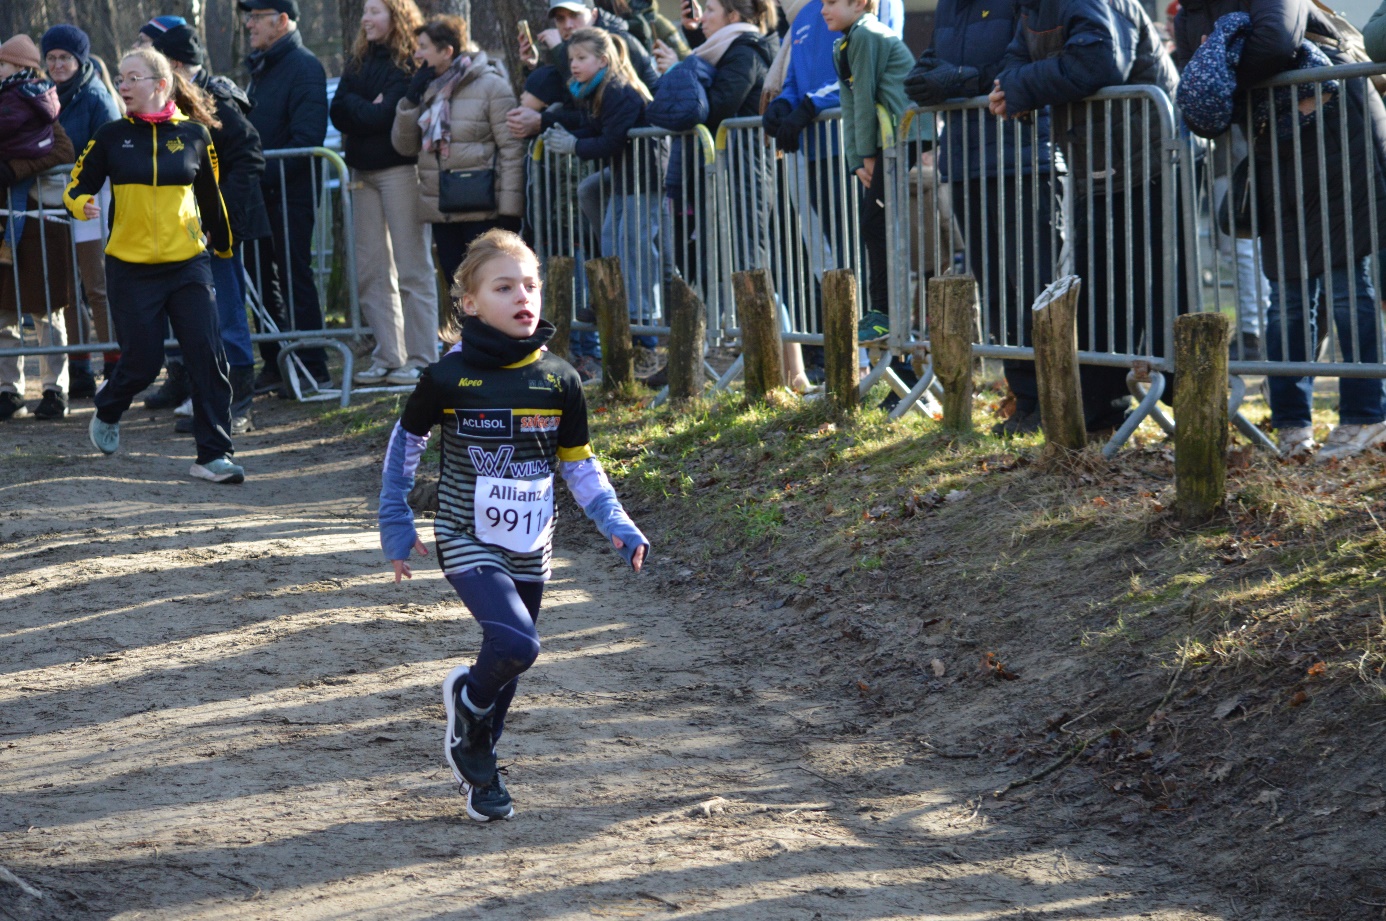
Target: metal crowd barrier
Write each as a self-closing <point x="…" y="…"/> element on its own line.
<point x="40" y="284"/>
<point x="1303" y="158"/>
<point x="45" y="283"/>
<point x="1104" y="205"/>
<point x="645" y="207"/>
<point x="791" y="213"/>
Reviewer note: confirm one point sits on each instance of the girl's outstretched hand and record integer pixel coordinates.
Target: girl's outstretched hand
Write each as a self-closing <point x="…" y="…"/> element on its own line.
<point x="636" y="560"/>
<point x="402" y="570"/>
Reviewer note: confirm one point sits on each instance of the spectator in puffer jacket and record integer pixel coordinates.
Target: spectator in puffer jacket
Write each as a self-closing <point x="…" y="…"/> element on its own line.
<point x="394" y="262"/>
<point x="1064" y="51"/>
<point x="980" y="163"/>
<point x="612" y="102"/>
<point x="1332" y="258"/>
<point x="43" y="279"/>
<point x="453" y="118"/>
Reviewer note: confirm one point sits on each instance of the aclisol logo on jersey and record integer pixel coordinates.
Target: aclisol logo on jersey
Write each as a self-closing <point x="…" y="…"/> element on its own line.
<point x="485" y="423"/>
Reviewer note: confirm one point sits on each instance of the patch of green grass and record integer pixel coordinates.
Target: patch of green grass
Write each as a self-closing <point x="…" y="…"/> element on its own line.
<point x="1290" y="571"/>
<point x="373" y="417"/>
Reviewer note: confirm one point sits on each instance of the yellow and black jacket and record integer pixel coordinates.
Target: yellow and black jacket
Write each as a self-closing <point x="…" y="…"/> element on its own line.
<point x="164" y="188"/>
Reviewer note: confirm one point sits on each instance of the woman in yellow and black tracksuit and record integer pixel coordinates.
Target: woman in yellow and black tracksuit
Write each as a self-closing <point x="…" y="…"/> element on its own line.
<point x="163" y="173"/>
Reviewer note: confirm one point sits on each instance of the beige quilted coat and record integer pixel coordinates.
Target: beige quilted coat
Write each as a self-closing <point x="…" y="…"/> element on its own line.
<point x="479" y="104"/>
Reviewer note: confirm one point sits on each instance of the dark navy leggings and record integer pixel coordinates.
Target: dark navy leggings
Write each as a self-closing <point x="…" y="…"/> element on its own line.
<point x="507" y="611"/>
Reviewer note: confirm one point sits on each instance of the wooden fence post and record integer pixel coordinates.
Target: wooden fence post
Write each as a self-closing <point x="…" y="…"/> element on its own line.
<point x="687" y="336"/>
<point x="558" y="302"/>
<point x="952" y="318"/>
<point x="840" y="340"/>
<point x="1056" y="365"/>
<point x="1200" y="411"/>
<point x="608" y="293"/>
<point x="760" y="332"/>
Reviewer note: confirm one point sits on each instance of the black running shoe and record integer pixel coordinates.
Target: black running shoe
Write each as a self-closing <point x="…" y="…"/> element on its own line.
<point x="488" y="801"/>
<point x="52" y="406"/>
<point x="12" y="406"/>
<point x="468" y="742"/>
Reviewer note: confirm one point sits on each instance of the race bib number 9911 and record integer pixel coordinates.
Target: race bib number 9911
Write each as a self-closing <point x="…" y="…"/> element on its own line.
<point x="514" y="514"/>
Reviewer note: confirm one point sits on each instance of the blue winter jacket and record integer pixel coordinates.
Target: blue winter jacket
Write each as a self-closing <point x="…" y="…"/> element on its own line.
<point x="86" y="106"/>
<point x="604" y="136"/>
<point x="976" y="33"/>
<point x="811" y="73"/>
<point x="1066" y="50"/>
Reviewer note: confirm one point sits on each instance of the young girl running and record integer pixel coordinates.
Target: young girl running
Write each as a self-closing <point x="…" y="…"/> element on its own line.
<point x="511" y="413"/>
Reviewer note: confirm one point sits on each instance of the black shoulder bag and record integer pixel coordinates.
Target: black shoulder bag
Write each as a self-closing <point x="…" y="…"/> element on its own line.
<point x="464" y="191"/>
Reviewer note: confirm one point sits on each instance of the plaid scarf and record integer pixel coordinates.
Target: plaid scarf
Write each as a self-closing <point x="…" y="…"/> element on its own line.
<point x="436" y="121"/>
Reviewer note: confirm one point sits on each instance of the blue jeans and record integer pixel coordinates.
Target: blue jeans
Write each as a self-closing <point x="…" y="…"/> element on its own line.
<point x="1292" y="398"/>
<point x="14" y="224"/>
<point x="631" y="231"/>
<point x="228" y="280"/>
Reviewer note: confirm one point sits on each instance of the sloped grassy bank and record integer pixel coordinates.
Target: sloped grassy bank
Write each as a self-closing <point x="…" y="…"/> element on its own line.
<point x="1216" y="696"/>
<point x="1221" y="689"/>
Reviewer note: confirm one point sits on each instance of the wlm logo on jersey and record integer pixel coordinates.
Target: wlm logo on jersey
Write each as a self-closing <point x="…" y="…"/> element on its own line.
<point x="497" y="463"/>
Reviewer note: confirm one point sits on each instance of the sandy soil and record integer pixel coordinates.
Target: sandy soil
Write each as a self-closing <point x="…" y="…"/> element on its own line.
<point x="215" y="704"/>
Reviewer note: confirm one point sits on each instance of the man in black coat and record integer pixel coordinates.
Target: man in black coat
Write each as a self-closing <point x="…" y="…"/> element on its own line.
<point x="1007" y="223"/>
<point x="1064" y="51"/>
<point x="288" y="87"/>
<point x="241" y="165"/>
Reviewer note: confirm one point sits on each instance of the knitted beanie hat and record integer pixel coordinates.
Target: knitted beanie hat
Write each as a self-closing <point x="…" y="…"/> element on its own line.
<point x="21" y="52"/>
<point x="67" y="38"/>
<point x="180" y="43"/>
<point x="161" y="24"/>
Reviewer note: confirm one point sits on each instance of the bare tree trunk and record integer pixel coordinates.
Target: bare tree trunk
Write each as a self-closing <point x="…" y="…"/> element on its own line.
<point x="461" y="8"/>
<point x="350" y="13"/>
<point x="194" y="11"/>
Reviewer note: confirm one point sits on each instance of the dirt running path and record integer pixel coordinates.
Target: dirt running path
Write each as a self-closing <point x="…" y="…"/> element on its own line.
<point x="214" y="704"/>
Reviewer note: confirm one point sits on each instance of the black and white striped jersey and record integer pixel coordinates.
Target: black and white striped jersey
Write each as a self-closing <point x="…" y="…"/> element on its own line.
<point x="504" y="431"/>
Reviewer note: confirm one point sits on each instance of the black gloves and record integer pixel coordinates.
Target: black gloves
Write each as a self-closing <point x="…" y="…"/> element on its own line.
<point x="932" y="81"/>
<point x="787" y="136"/>
<point x="6" y="175"/>
<point x="773" y="116"/>
<point x="422" y="78"/>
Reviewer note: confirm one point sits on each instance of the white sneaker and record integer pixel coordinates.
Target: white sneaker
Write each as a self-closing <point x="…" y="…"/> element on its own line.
<point x="375" y="374"/>
<point x="1351" y="440"/>
<point x="1296" y="442"/>
<point x="403" y="377"/>
<point x="184" y="408"/>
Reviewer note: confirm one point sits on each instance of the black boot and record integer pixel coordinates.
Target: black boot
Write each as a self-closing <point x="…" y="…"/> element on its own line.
<point x="242" y="395"/>
<point x="81" y="383"/>
<point x="174" y="390"/>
